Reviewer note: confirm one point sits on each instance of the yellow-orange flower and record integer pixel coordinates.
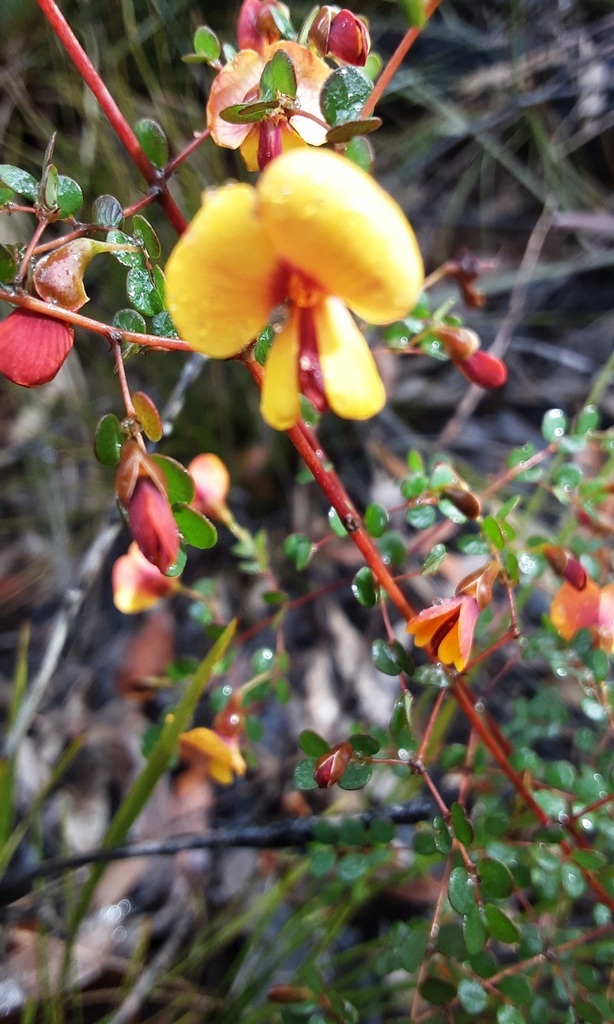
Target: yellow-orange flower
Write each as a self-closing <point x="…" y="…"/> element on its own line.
<point x="238" y="82"/>
<point x="447" y="629"/>
<point x="137" y="584"/>
<point x="318" y="235"/>
<point x="591" y="608"/>
<point x="214" y="757"/>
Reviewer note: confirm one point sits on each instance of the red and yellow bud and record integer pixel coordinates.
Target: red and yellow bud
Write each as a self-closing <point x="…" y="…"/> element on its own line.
<point x="137" y="584"/>
<point x="340" y="34"/>
<point x="565" y="566"/>
<point x="479" y="584"/>
<point x="459" y="342"/>
<point x="257" y="26"/>
<point x="152" y="524"/>
<point x="329" y="768"/>
<point x="33" y="347"/>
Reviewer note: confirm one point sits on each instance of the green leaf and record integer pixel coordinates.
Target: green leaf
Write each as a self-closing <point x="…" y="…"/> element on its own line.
<point x="9" y="263"/>
<point x="107" y="212"/>
<point x="353" y="129"/>
<point x="153" y="141"/>
<point x="554" y="425"/>
<point x="474" y="932"/>
<point x="108" y="440"/>
<point x="322" y="860"/>
<point x="443" y="839"/>
<point x="248" y="113"/>
<point x="206" y="43"/>
<point x="298" y="548"/>
<point x="263" y="345"/>
<point x="433" y="560"/>
<point x="352" y="866"/>
<point x="382" y="830"/>
<point x="414" y="12"/>
<point x="414" y="486"/>
<point x="495" y="878"/>
<point x="363" y="587"/>
<point x="592" y="860"/>
<point x="146" y="236"/>
<point x="127" y="259"/>
<point x="197" y="530"/>
<point x="493" y="532"/>
<point x="6" y="194"/>
<point x="510" y="1015"/>
<point x="312" y="744"/>
<point x="302" y="776"/>
<point x="410" y="943"/>
<point x="376" y="520"/>
<point x="335" y="523"/>
<point x="344" y="95"/>
<point x="436" y="991"/>
<point x="129" y="320"/>
<point x="391" y="659"/>
<point x="424" y="843"/>
<point x="461" y="891"/>
<point x="19" y="181"/>
<point x="421" y="517"/>
<point x="355" y="776"/>
<point x="360" y="152"/>
<point x="587" y="420"/>
<point x="499" y="926"/>
<point x="142" y="291"/>
<point x="178" y="480"/>
<point x="400" y="720"/>
<point x="392" y="548"/>
<point x="163" y="326"/>
<point x="278" y="77"/>
<point x="472" y="996"/>
<point x="50" y="189"/>
<point x="70" y="196"/>
<point x="364" y="744"/>
<point x="573" y="880"/>
<point x="461" y="826"/>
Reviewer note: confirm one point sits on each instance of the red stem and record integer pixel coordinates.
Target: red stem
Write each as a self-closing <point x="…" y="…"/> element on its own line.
<point x="396" y="60"/>
<point x="114" y="115"/>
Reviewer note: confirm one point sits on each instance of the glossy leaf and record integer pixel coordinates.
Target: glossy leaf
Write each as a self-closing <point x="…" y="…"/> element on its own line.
<point x="142" y="291"/>
<point x="376" y="520"/>
<point x="344" y="95"/>
<point x="360" y="151"/>
<point x="147" y="236"/>
<point x="363" y="587"/>
<point x="554" y="425"/>
<point x="129" y="320"/>
<point x="127" y="259"/>
<point x="312" y="744"/>
<point x="19" y="181"/>
<point x="153" y="141"/>
<point x="364" y="745"/>
<point x="303" y="774"/>
<point x="461" y="826"/>
<point x="472" y="996"/>
<point x="178" y="480"/>
<point x="391" y="659"/>
<point x="494" y="878"/>
<point x="461" y="891"/>
<point x="163" y="326"/>
<point x="107" y="212"/>
<point x="197" y="530"/>
<point x="108" y="440"/>
<point x="474" y="932"/>
<point x="298" y="548"/>
<point x="499" y="925"/>
<point x="248" y="113"/>
<point x="206" y="43"/>
<point x="278" y="77"/>
<point x="356" y="776"/>
<point x="69" y="196"/>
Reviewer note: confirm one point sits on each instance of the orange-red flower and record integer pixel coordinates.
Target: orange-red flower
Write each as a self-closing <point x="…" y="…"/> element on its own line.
<point x="212" y="483"/>
<point x="591" y="608"/>
<point x="239" y="82"/>
<point x="137" y="584"/>
<point x="33" y="347"/>
<point x="447" y="629"/>
<point x="340" y="34"/>
<point x="315" y="236"/>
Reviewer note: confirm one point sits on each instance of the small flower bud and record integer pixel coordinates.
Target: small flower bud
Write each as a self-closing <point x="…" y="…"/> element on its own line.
<point x="58" y="277"/>
<point x="137" y="584"/>
<point x="229" y="721"/>
<point x="464" y="500"/>
<point x="212" y="482"/>
<point x="483" y="369"/>
<point x="565" y="566"/>
<point x="289" y="994"/>
<point x="152" y="524"/>
<point x="330" y="766"/>
<point x="459" y="342"/>
<point x="479" y="584"/>
<point x="348" y="39"/>
<point x="257" y="25"/>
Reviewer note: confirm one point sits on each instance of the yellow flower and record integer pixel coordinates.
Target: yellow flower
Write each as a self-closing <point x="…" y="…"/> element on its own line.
<point x="238" y="82"/>
<point x="214" y="757"/>
<point x="317" y="235"/>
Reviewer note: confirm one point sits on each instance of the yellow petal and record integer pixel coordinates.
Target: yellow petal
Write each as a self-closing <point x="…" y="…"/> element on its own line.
<point x="332" y="220"/>
<point x="449" y="652"/>
<point x="220" y="275"/>
<point x="231" y="86"/>
<point x="280" y="401"/>
<point x="249" y="147"/>
<point x="352" y="383"/>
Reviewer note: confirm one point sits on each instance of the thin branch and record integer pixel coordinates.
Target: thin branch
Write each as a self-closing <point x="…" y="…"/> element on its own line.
<point x="279" y="835"/>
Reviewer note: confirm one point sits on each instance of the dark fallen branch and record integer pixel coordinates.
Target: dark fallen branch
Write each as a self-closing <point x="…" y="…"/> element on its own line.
<point x="293" y="833"/>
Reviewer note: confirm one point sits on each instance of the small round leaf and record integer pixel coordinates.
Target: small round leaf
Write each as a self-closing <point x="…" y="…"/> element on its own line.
<point x="108" y="440"/>
<point x="153" y="141"/>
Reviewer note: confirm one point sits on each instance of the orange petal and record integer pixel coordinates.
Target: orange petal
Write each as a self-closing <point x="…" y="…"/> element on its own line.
<point x="311" y="73"/>
<point x="231" y="86"/>
<point x="573" y="609"/>
<point x="137" y="584"/>
<point x="220" y="277"/>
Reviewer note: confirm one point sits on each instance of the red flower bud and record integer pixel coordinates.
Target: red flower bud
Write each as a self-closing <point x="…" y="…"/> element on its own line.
<point x="212" y="483"/>
<point x="483" y="369"/>
<point x="33" y="347"/>
<point x="565" y="566"/>
<point x="257" y="26"/>
<point x="464" y="500"/>
<point x="348" y="39"/>
<point x="152" y="524"/>
<point x="289" y="994"/>
<point x="340" y="34"/>
<point x="459" y="342"/>
<point x="58" y="277"/>
<point x="479" y="584"/>
<point x="330" y="766"/>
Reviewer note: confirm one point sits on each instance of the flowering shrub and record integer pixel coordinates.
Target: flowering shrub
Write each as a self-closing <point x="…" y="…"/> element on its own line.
<point x="311" y="278"/>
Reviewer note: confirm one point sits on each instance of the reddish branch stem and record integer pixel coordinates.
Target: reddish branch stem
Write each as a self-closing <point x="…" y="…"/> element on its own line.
<point x="114" y="115"/>
<point x="396" y="60"/>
